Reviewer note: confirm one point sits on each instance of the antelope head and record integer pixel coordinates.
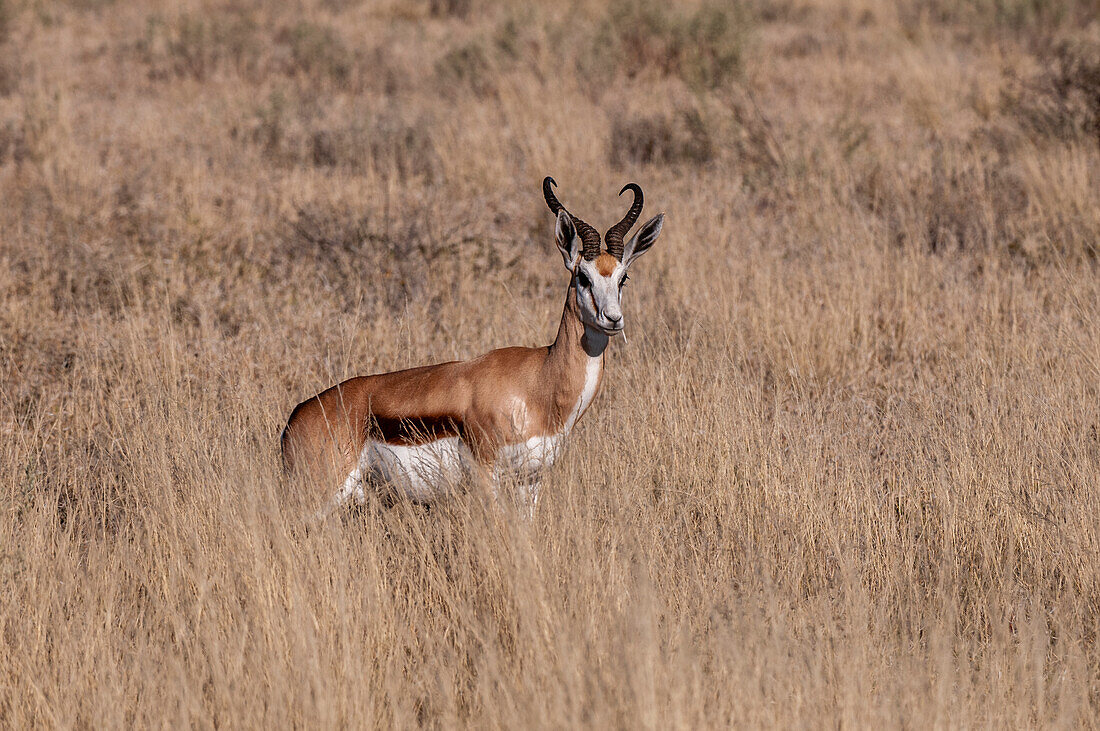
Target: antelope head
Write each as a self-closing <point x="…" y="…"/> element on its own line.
<point x="598" y="275"/>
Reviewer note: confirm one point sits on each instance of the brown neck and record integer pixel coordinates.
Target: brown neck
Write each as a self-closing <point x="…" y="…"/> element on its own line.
<point x="568" y="362"/>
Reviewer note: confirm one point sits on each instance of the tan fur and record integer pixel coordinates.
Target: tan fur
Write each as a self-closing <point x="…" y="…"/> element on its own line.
<point x="472" y="399"/>
<point x="605" y="264"/>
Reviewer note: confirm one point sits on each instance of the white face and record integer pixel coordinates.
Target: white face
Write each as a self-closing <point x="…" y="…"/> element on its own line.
<point x="600" y="297"/>
<point x="599" y="283"/>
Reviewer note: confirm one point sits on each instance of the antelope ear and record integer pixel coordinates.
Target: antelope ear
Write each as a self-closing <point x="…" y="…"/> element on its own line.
<point x="569" y="243"/>
<point x="641" y="241"/>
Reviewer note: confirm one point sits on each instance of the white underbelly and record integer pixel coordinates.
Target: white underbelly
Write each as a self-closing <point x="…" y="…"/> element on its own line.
<point x="526" y="459"/>
<point x="436" y="469"/>
<point x="421" y="471"/>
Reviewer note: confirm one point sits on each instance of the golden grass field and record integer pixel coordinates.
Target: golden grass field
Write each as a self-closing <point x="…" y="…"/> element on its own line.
<point x="845" y="473"/>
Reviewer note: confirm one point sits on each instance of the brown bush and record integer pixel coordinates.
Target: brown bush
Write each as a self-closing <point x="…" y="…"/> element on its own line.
<point x="466" y="68"/>
<point x="1063" y="100"/>
<point x="197" y="45"/>
<point x="704" y="47"/>
<point x="1032" y="19"/>
<point x="660" y="139"/>
<point x="317" y="51"/>
<point x="342" y="250"/>
<point x="446" y="8"/>
<point x="296" y="134"/>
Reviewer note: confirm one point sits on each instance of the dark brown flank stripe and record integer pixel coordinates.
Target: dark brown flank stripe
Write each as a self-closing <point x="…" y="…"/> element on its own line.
<point x="412" y="432"/>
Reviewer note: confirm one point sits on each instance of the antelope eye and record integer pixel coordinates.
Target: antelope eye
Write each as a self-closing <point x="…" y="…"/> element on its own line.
<point x="583" y="281"/>
<point x="623" y="280"/>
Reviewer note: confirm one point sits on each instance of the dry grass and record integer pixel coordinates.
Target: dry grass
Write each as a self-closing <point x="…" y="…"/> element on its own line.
<point x="846" y="471"/>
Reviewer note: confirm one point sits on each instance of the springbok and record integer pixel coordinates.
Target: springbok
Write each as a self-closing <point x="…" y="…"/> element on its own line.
<point x="419" y="432"/>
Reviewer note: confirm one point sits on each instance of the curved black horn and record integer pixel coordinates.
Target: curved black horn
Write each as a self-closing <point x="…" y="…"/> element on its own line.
<point x="590" y="237"/>
<point x="617" y="233"/>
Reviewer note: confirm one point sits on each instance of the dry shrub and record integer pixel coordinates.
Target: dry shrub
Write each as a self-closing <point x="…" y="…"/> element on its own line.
<point x="975" y="204"/>
<point x="957" y="201"/>
<point x="88" y="279"/>
<point x="232" y="39"/>
<point x="317" y="51"/>
<point x="271" y="127"/>
<point x="13" y="143"/>
<point x="450" y="8"/>
<point x="680" y="138"/>
<point x="32" y="133"/>
<point x="374" y="261"/>
<point x="957" y="198"/>
<point x="341" y="250"/>
<point x="802" y="45"/>
<point x="7" y="13"/>
<point x="704" y="47"/>
<point x="1063" y="100"/>
<point x="1028" y="18"/>
<point x="294" y="133"/>
<point x="90" y="5"/>
<point x="197" y="45"/>
<point x="478" y="65"/>
<point x="82" y="274"/>
<point x="11" y="75"/>
<point x="404" y="149"/>
<point x="735" y="131"/>
<point x="466" y="68"/>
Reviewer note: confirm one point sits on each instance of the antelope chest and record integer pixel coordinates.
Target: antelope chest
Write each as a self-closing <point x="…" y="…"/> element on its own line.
<point x="593" y="368"/>
<point x="529" y="457"/>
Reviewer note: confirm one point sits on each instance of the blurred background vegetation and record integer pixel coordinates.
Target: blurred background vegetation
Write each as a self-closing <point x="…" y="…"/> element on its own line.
<point x="854" y="471"/>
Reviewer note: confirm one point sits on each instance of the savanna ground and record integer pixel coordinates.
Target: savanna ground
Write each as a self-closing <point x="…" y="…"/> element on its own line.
<point x="845" y="472"/>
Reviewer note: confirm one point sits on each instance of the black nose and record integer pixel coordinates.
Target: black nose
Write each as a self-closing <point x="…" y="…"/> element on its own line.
<point x="614" y="319"/>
